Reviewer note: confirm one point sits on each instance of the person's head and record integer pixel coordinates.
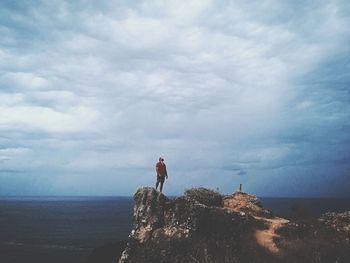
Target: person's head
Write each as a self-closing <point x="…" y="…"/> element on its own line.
<point x="161" y="159"/>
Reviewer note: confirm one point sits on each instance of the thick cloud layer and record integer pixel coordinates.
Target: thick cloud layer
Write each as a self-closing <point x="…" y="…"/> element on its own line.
<point x="93" y="92"/>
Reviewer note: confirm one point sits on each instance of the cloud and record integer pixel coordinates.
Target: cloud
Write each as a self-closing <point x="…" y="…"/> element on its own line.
<point x="241" y="172"/>
<point x="9" y="154"/>
<point x="24" y="80"/>
<point x="47" y="119"/>
<point x="220" y="89"/>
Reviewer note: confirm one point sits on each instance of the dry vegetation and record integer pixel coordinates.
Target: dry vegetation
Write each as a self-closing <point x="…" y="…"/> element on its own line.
<point x="204" y="196"/>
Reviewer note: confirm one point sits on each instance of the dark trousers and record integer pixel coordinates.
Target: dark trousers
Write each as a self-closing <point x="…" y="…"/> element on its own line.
<point x="160" y="179"/>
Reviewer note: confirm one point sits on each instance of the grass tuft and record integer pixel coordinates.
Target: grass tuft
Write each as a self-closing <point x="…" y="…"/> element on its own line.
<point x="204" y="196"/>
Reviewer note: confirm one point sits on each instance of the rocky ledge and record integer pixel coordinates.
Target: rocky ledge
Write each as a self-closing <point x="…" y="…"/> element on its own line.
<point x="204" y="226"/>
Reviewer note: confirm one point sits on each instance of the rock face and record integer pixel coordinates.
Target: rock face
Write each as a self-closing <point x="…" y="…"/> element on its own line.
<point x="198" y="228"/>
<point x="184" y="230"/>
<point x="247" y="203"/>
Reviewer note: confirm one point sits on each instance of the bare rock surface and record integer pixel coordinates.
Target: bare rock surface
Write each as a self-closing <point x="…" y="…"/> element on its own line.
<point x="185" y="230"/>
<point x="247" y="203"/>
<point x="250" y="204"/>
<point x="204" y="226"/>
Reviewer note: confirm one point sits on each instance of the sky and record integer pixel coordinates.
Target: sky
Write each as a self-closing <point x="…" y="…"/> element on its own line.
<point x="228" y="92"/>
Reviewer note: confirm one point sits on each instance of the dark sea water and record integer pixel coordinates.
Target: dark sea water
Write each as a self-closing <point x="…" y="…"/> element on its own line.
<point x="60" y="229"/>
<point x="67" y="229"/>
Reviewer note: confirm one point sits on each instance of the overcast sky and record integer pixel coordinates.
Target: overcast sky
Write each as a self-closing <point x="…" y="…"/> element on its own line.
<point x="228" y="92"/>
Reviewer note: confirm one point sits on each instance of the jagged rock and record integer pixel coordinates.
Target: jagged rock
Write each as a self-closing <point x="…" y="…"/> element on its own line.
<point x="184" y="230"/>
<point x="148" y="213"/>
<point x="246" y="203"/>
<point x="192" y="229"/>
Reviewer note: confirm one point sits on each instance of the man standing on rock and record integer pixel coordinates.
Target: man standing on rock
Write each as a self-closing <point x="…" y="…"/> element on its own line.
<point x="161" y="173"/>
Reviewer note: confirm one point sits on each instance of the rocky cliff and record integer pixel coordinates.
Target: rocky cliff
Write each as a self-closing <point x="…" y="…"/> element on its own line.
<point x="203" y="226"/>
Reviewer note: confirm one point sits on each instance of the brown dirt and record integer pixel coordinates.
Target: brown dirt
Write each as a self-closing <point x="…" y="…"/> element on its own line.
<point x="242" y="201"/>
<point x="265" y="237"/>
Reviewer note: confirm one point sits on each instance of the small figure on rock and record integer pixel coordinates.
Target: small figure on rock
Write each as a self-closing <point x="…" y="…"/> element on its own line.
<point x="161" y="173"/>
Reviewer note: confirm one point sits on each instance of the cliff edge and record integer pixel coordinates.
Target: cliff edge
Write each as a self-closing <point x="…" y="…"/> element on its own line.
<point x="204" y="226"/>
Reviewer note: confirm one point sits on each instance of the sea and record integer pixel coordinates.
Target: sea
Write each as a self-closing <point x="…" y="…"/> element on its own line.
<point x="67" y="229"/>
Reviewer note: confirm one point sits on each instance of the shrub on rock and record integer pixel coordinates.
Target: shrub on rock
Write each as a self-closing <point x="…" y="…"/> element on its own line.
<point x="204" y="196"/>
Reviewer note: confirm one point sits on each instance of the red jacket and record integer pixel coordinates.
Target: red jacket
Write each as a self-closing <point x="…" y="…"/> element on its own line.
<point x="161" y="169"/>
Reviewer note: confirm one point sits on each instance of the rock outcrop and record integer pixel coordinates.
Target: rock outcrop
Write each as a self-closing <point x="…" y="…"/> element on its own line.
<point x="247" y="203"/>
<point x="251" y="205"/>
<point x="203" y="226"/>
<point x="185" y="230"/>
